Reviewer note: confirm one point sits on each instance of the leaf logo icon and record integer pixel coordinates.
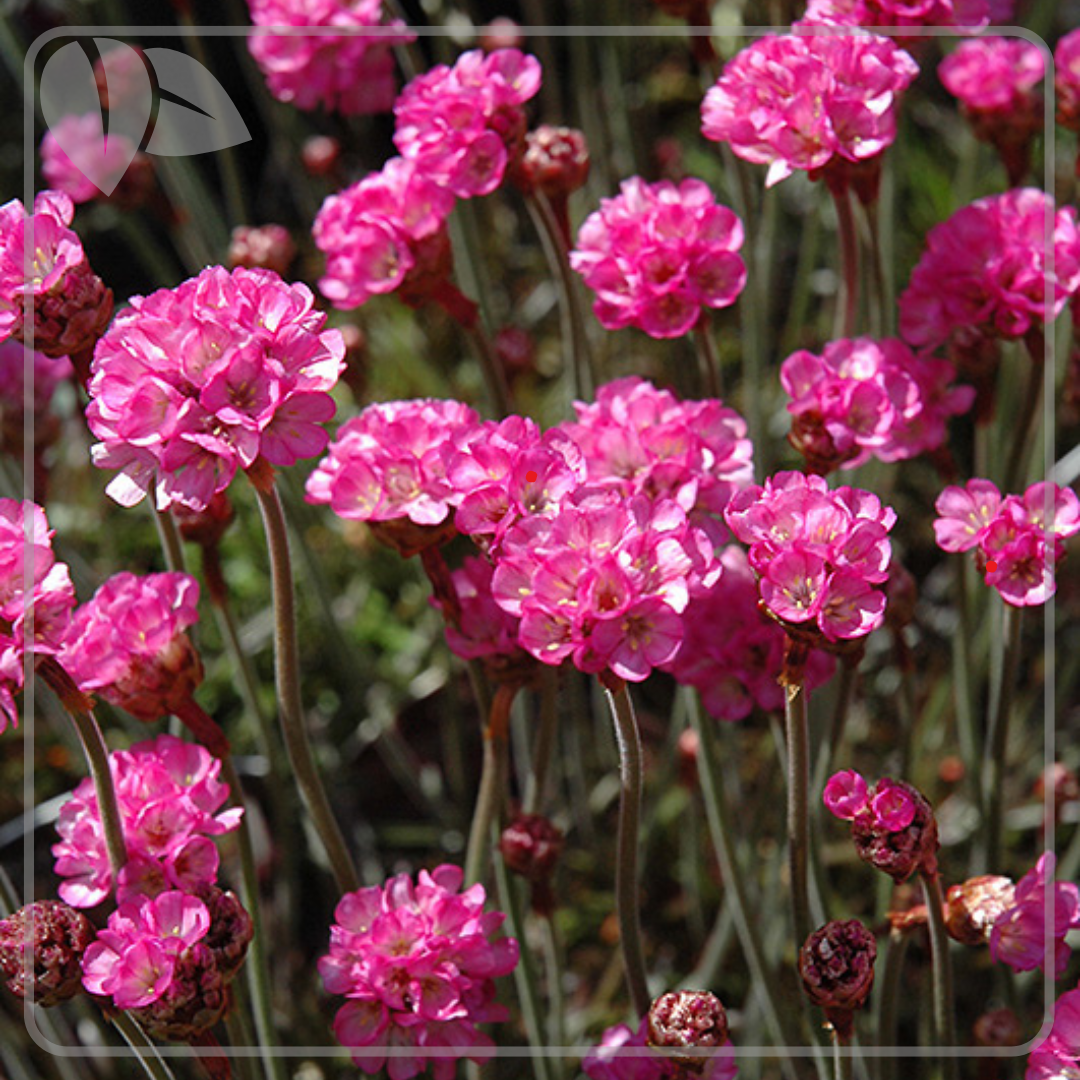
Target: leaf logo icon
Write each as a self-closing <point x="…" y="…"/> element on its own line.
<point x="195" y="115"/>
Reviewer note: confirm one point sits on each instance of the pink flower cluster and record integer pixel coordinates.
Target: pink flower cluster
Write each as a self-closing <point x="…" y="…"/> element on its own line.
<point x="134" y="958"/>
<point x="190" y="384"/>
<point x="891" y="807"/>
<point x="808" y="101"/>
<point x="994" y="74"/>
<point x="1019" y="935"/>
<point x="1067" y="80"/>
<point x="732" y="653"/>
<point x="93" y="155"/>
<point x="390" y="463"/>
<point x="604" y="581"/>
<point x="417" y="963"/>
<point x="657" y="254"/>
<point x="1058" y="1055"/>
<point x="822" y="557"/>
<point x="128" y="643"/>
<point x="968" y="14"/>
<point x="640" y="440"/>
<point x="383" y="232"/>
<point x="169" y="796"/>
<point x="1012" y="537"/>
<point x="462" y="126"/>
<point x="26" y="543"/>
<point x="350" y="73"/>
<point x="483" y="630"/>
<point x="863" y="398"/>
<point x="605" y="1062"/>
<point x="984" y="270"/>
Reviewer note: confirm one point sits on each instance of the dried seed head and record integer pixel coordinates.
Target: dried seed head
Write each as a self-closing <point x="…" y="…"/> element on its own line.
<point x="837" y="967"/>
<point x="688" y="1019"/>
<point x="41" y="948"/>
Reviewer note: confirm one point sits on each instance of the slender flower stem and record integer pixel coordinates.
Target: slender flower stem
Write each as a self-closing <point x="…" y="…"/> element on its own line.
<point x="544" y="747"/>
<point x="143" y="1049"/>
<point x="798" y="806"/>
<point x="169" y="536"/>
<point x="489" y="797"/>
<point x="287" y="676"/>
<point x="997" y="736"/>
<point x="78" y="708"/>
<point x="1027" y="419"/>
<point x="626" y="868"/>
<point x="889" y="1000"/>
<point x="708" y="361"/>
<point x="884" y="305"/>
<point x="962" y="682"/>
<point x="842" y="1057"/>
<point x="944" y="1005"/>
<point x="847" y="309"/>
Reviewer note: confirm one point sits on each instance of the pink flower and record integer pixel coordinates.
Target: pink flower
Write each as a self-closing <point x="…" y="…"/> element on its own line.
<point x="93" y="156"/>
<point x="390" y="463"/>
<point x="350" y="73"/>
<point x="604" y="581"/>
<point x="1067" y="80"/>
<point x="128" y="643"/>
<point x="462" y="126"/>
<point x="732" y="653"/>
<point x="26" y="546"/>
<point x="863" y="398"/>
<point x="417" y="963"/>
<point x="1012" y="537"/>
<point x="605" y="1062"/>
<point x="656" y="255"/>
<point x="169" y="796"/>
<point x="969" y="15"/>
<point x="808" y="101"/>
<point x="1019" y="936"/>
<point x="192" y="383"/>
<point x="993" y="74"/>
<point x="1058" y="1056"/>
<point x="822" y="557"/>
<point x="846" y="794"/>
<point x="984" y="270"/>
<point x="386" y="232"/>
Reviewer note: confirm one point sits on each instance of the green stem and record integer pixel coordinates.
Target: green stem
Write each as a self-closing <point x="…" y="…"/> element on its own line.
<point x="888" y="1001"/>
<point x="543" y="749"/>
<point x="626" y="868"/>
<point x="944" y="1005"/>
<point x="143" y="1049"/>
<point x="489" y="797"/>
<point x="848" y="307"/>
<point x="798" y="806"/>
<point x="554" y="965"/>
<point x="842" y="1057"/>
<point x="169" y="535"/>
<point x="708" y="361"/>
<point x="962" y="683"/>
<point x="997" y="736"/>
<point x="290" y="705"/>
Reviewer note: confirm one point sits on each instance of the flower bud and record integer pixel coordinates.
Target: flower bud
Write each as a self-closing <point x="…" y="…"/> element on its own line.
<point x="886" y="837"/>
<point x="516" y="349"/>
<point x="320" y="155"/>
<point x="836" y="964"/>
<point x="972" y="908"/>
<point x="501" y="33"/>
<point x="72" y="315"/>
<point x="262" y="247"/>
<point x="231" y="929"/>
<point x="999" y="1027"/>
<point x="688" y="1019"/>
<point x="41" y="948"/>
<point x="555" y="161"/>
<point x="530" y="846"/>
<point x="205" y="527"/>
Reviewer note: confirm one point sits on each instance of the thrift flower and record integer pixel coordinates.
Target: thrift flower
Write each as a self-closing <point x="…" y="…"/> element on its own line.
<point x="836" y="964"/>
<point x="1067" y="80"/>
<point x="89" y="155"/>
<point x="969" y="15"/>
<point x="808" y="101"/>
<point x="463" y="126"/>
<point x="604" y="1062"/>
<point x="41" y="950"/>
<point x="656" y="255"/>
<point x="192" y="383"/>
<point x="1057" y="1057"/>
<point x="417" y="962"/>
<point x="822" y="557"/>
<point x="984" y="270"/>
<point x="688" y="1020"/>
<point x="170" y="800"/>
<point x="1019" y="934"/>
<point x="351" y="73"/>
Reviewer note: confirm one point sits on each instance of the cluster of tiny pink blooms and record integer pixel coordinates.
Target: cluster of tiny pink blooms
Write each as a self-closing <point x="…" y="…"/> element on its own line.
<point x="656" y="255"/>
<point x="863" y="398"/>
<point x="1020" y="934"/>
<point x="462" y="126"/>
<point x="25" y="535"/>
<point x="807" y="101"/>
<point x="604" y="581"/>
<point x="483" y="630"/>
<point x="984" y="269"/>
<point x="350" y="73"/>
<point x="993" y="74"/>
<point x="641" y="440"/>
<point x="128" y="643"/>
<point x="192" y="383"/>
<point x="390" y="463"/>
<point x="1067" y="80"/>
<point x="822" y="557"/>
<point x="732" y="653"/>
<point x="606" y="1062"/>
<point x="968" y="14"/>
<point x="381" y="233"/>
<point x="1012" y="537"/>
<point x="1057" y="1057"/>
<point x="847" y="794"/>
<point x="77" y="148"/>
<point x="169" y="795"/>
<point x="417" y="962"/>
<point x="134" y="958"/>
